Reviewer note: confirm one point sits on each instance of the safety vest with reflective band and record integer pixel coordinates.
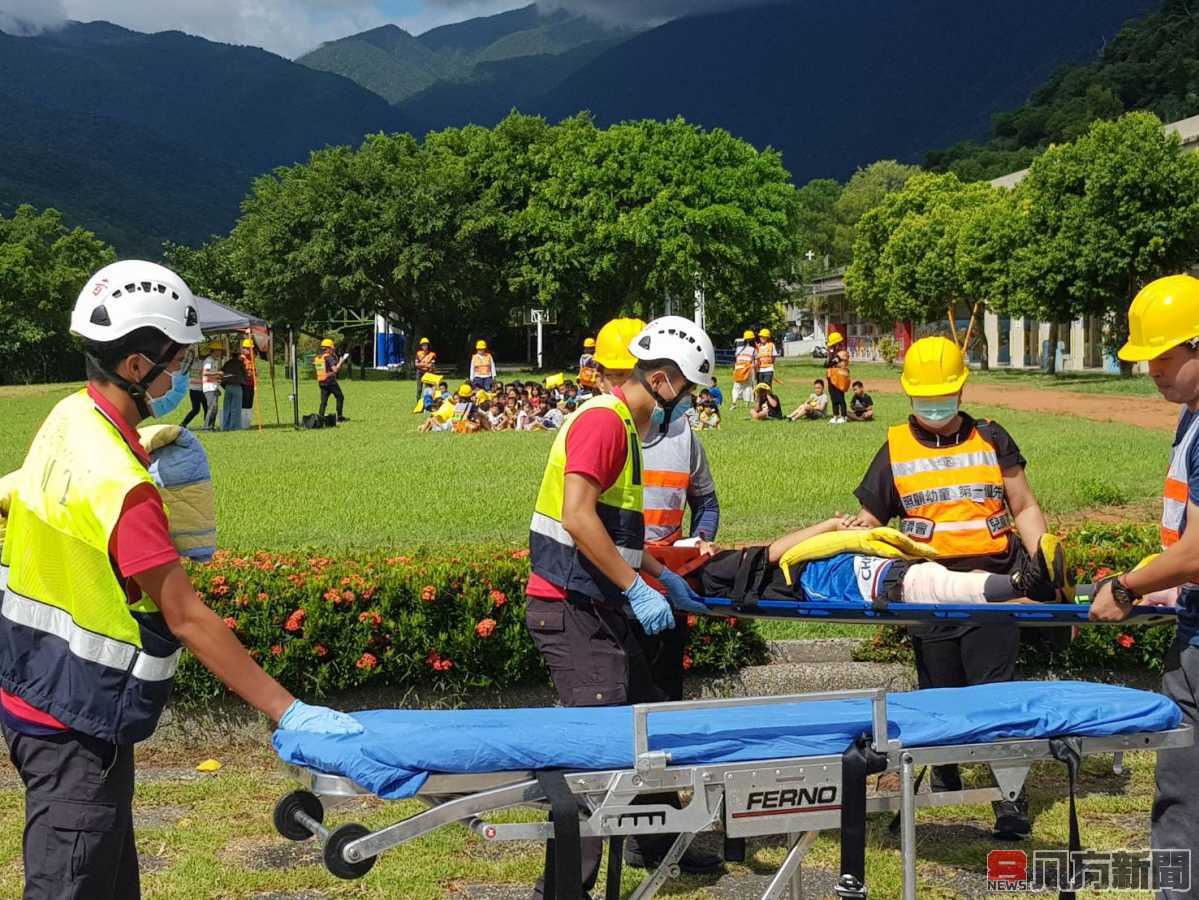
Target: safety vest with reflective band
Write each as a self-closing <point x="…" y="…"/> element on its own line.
<point x="667" y="478"/>
<point x="743" y="365"/>
<point x="482" y="365"/>
<point x="1177" y="492"/>
<point x="837" y="376"/>
<point x="425" y="359"/>
<point x="324" y="371"/>
<point x="588" y="373"/>
<point x="953" y="497"/>
<point x="70" y="643"/>
<point x="552" y="550"/>
<point x="766" y="353"/>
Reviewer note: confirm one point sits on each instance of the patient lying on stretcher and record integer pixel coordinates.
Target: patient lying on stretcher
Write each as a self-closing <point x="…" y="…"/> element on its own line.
<point x="838" y="562"/>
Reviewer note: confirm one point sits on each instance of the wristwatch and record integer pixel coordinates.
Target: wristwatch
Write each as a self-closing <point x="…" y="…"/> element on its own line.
<point x="1121" y="593"/>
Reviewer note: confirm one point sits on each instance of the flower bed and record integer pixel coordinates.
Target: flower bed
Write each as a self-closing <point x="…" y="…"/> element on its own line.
<point x="323" y="625"/>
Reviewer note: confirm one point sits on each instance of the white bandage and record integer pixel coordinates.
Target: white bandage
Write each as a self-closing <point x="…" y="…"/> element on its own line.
<point x="930" y="582"/>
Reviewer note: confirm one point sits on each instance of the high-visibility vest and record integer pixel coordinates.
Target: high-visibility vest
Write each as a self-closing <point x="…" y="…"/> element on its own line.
<point x="1177" y="491"/>
<point x="588" y="373"/>
<point x="481" y="365"/>
<point x="743" y="365"/>
<point x="838" y="376"/>
<point x="324" y="371"/>
<point x="766" y="353"/>
<point x="553" y="553"/>
<point x="667" y="478"/>
<point x="425" y="360"/>
<point x="70" y="643"/>
<point x="952" y="497"/>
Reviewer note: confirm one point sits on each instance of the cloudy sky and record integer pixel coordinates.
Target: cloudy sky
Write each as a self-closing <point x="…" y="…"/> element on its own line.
<point x="291" y="27"/>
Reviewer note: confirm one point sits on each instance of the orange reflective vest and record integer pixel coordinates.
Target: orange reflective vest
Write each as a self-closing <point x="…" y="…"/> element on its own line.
<point x="482" y="365"/>
<point x="667" y="477"/>
<point x="766" y="354"/>
<point x="1177" y="492"/>
<point x="743" y="365"/>
<point x="952" y="497"/>
<point x="838" y="375"/>
<point x="425" y="360"/>
<point x="324" y="369"/>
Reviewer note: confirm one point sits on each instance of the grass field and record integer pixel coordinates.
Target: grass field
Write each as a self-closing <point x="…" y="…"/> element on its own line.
<point x="376" y="482"/>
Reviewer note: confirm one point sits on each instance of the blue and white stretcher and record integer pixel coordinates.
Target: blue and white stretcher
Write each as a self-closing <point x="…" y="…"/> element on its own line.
<point x="796" y="770"/>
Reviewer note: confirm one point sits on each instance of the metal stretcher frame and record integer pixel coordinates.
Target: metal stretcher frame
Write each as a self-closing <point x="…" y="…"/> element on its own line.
<point x="797" y="797"/>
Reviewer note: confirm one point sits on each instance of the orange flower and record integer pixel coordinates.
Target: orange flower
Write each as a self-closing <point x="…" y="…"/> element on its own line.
<point x="369" y="592"/>
<point x="520" y="554"/>
<point x="367" y="661"/>
<point x="241" y="600"/>
<point x="295" y="621"/>
<point x="345" y="582"/>
<point x="1102" y="572"/>
<point x="485" y="628"/>
<point x="276" y="650"/>
<point x="231" y="623"/>
<point x="263" y="597"/>
<point x="219" y="581"/>
<point x="692" y="620"/>
<point x="428" y="593"/>
<point x="222" y="590"/>
<point x="498" y="598"/>
<point x="348" y="597"/>
<point x="732" y="621"/>
<point x="687" y="662"/>
<point x="371" y="617"/>
<point x="1126" y="640"/>
<point x="331" y="595"/>
<point x="321" y="651"/>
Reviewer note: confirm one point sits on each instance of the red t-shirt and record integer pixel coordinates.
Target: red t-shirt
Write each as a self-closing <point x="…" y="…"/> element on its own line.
<point x="141" y="541"/>
<point x="596" y="446"/>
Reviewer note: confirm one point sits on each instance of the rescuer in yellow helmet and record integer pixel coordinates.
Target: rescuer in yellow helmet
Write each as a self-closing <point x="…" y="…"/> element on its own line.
<point x="482" y="367"/>
<point x="744" y="366"/>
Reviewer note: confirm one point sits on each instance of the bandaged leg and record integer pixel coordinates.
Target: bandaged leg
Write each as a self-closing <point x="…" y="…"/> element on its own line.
<point x="931" y="582"/>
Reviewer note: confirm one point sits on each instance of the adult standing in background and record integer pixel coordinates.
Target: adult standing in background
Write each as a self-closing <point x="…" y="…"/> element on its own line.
<point x="482" y="367"/>
<point x="234" y="380"/>
<point x="327" y="366"/>
<point x="745" y="364"/>
<point x="210" y="373"/>
<point x="765" y="357"/>
<point x="425" y="361"/>
<point x="195" y="390"/>
<point x="838" y="377"/>
<point x="247" y="393"/>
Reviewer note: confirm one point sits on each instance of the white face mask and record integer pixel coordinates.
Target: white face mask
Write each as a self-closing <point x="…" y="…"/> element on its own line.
<point x="935" y="410"/>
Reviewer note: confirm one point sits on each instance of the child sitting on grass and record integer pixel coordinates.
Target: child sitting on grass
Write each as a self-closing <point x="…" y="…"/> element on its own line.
<point x="861" y="407"/>
<point x="814" y="406"/>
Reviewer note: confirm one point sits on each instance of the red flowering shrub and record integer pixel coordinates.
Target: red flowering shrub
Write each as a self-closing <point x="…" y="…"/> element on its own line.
<point x="485" y="628"/>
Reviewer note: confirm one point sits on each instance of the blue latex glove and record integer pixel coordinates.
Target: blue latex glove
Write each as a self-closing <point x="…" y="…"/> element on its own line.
<point x="650" y="607"/>
<point x="681" y="595"/>
<point x="318" y="720"/>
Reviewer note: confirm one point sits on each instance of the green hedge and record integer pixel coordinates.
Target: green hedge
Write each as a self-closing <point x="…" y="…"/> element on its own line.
<point x="1095" y="551"/>
<point x="323" y="625"/>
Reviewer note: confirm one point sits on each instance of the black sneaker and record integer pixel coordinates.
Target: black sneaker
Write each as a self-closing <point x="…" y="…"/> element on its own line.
<point x="694" y="861"/>
<point x="343" y="419"/>
<point x="1045" y="576"/>
<point x="1011" y="820"/>
<point x="946" y="778"/>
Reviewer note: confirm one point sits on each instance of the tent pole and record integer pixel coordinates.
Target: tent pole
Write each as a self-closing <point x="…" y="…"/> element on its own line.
<point x="295" y="378"/>
<point x="270" y="336"/>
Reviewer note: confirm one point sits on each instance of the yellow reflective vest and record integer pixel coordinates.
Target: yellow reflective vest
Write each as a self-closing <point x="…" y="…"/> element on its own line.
<point x="552" y="550"/>
<point x="70" y="643"/>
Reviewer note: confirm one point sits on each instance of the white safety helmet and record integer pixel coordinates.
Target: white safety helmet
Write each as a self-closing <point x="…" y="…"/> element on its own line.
<point x="682" y="342"/>
<point x="132" y="294"/>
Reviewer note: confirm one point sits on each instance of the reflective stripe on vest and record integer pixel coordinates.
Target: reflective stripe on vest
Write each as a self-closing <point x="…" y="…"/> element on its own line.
<point x="70" y="644"/>
<point x="481" y="362"/>
<point x="425" y="359"/>
<point x="953" y="497"/>
<point x="766" y="357"/>
<point x="1176" y="492"/>
<point x="667" y="478"/>
<point x="552" y="550"/>
<point x="321" y="363"/>
<point x="743" y="365"/>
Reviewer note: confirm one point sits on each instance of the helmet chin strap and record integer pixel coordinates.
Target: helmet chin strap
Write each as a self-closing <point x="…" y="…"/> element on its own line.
<point x="667" y="405"/>
<point x="139" y="390"/>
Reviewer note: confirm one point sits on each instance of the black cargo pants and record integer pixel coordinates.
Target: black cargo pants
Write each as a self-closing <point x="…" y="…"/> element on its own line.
<point x="78" y="842"/>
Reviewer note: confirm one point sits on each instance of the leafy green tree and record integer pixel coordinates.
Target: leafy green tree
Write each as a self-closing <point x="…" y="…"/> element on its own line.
<point x="816" y="224"/>
<point x="865" y="191"/>
<point x="43" y="266"/>
<point x="209" y="269"/>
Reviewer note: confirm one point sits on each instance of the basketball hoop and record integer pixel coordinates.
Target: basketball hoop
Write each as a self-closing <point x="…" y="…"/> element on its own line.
<point x="541" y="317"/>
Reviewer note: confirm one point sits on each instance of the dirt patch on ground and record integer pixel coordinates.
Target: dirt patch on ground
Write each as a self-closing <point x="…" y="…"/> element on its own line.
<point x="260" y="854"/>
<point x="1142" y="412"/>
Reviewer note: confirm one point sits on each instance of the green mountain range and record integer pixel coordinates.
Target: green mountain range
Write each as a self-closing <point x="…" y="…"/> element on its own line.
<point x="397" y="66"/>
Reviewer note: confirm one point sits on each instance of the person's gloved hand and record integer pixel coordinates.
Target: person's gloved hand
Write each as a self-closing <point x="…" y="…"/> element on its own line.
<point x="318" y="720"/>
<point x="681" y="595"/>
<point x="650" y="607"/>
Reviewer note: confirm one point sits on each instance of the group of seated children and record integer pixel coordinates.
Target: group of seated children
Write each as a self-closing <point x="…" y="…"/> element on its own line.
<point x="518" y="406"/>
<point x="768" y="406"/>
<point x="704" y="413"/>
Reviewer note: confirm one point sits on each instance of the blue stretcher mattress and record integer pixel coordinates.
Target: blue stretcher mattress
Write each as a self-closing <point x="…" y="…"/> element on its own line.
<point x="400" y="748"/>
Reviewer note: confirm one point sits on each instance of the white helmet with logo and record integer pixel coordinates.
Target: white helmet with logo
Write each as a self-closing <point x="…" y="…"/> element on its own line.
<point x="680" y="341"/>
<point x="132" y="294"/>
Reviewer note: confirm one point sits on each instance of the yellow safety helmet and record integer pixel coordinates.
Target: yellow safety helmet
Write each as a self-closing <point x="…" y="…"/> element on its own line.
<point x="589" y="343"/>
<point x="612" y="344"/>
<point x="328" y="342"/>
<point x="933" y="367"/>
<point x="422" y="341"/>
<point x="748" y="336"/>
<point x="480" y="345"/>
<point x="465" y="391"/>
<point x="764" y="333"/>
<point x="761" y="386"/>
<point x="247" y="343"/>
<point x="835" y="338"/>
<point x="1164" y="314"/>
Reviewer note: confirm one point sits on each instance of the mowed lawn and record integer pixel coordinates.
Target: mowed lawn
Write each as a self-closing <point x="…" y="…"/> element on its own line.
<point x="377" y="483"/>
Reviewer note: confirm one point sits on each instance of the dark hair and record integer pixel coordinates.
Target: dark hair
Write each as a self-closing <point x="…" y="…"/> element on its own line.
<point x="705" y="391"/>
<point x="819" y="381"/>
<point x="655" y="365"/>
<point x="102" y="358"/>
<point x="857" y="384"/>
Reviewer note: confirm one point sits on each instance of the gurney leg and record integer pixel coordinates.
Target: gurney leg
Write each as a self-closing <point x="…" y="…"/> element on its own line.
<point x="667" y="870"/>
<point x="907" y="786"/>
<point x="615" y="861"/>
<point x="789" y="877"/>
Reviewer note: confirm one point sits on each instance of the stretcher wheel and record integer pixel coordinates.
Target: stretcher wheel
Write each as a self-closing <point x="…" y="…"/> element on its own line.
<point x="336" y="863"/>
<point x="297" y="801"/>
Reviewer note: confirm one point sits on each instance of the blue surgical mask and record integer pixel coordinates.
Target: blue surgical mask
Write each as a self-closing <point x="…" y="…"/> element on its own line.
<point x="658" y="420"/>
<point x="935" y="411"/>
<point x="166" y="404"/>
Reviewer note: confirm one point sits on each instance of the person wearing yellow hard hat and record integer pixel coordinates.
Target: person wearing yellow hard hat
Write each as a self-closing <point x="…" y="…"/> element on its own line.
<point x="482" y="367"/>
<point x="588" y="370"/>
<point x="764" y="361"/>
<point x="587" y="534"/>
<point x="248" y="356"/>
<point x="744" y="365"/>
<point x="327" y="368"/>
<point x="1163" y="331"/>
<point x="425" y="361"/>
<point x="957" y="483"/>
<point x="838" y="377"/>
